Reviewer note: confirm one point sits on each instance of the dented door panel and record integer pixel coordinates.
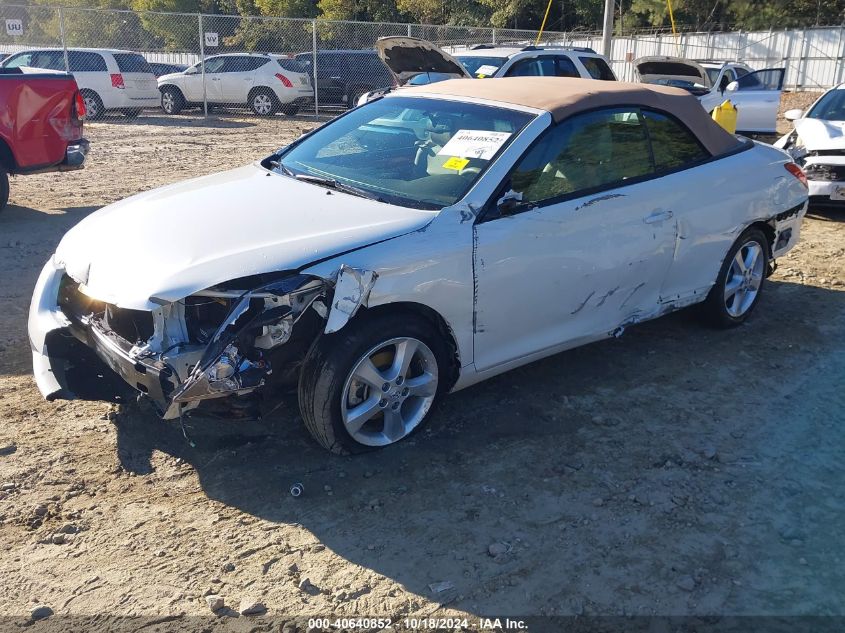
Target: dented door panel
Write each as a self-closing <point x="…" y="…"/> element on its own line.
<point x="571" y="270"/>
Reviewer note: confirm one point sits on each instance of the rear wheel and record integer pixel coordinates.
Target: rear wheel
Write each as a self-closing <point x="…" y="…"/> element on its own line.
<point x="371" y="384"/>
<point x="737" y="290"/>
<point x="4" y="188"/>
<point x="172" y="100"/>
<point x="290" y="109"/>
<point x="263" y="102"/>
<point x="93" y="105"/>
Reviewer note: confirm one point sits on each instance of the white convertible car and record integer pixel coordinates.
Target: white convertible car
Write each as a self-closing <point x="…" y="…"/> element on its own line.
<point x="414" y="246"/>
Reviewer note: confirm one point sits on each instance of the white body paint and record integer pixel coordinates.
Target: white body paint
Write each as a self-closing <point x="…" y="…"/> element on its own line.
<point x="511" y="290"/>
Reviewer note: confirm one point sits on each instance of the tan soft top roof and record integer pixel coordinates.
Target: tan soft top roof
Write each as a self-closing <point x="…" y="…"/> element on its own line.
<point x="564" y="96"/>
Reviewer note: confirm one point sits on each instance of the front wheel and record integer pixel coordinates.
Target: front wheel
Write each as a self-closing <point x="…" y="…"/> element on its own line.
<point x="172" y="100"/>
<point x="740" y="282"/>
<point x="371" y="384"/>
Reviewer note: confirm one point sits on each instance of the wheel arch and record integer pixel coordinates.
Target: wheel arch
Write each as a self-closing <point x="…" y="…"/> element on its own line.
<point x="430" y="316"/>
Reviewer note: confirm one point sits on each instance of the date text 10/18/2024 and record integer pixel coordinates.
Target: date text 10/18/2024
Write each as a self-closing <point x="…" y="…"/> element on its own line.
<point x="434" y="624"/>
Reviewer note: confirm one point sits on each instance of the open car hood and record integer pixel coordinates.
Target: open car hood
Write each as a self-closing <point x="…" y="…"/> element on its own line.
<point x="819" y="135"/>
<point x="663" y="69"/>
<point x="410" y="56"/>
<point x="173" y="241"/>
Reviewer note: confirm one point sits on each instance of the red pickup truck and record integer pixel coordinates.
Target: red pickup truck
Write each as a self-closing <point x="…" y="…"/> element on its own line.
<point x="40" y="125"/>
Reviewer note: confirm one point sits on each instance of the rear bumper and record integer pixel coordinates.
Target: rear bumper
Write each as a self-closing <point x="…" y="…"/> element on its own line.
<point x="75" y="155"/>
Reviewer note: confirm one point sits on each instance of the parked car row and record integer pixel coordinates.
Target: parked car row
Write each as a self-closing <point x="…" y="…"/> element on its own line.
<point x="123" y="81"/>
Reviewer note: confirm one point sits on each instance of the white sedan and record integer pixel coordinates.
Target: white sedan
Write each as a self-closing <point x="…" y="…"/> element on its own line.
<point x="417" y="245"/>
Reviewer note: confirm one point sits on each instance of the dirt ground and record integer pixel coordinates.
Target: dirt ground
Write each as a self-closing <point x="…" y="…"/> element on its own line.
<point x="677" y="470"/>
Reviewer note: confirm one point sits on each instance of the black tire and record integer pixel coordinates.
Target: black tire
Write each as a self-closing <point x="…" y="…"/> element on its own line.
<point x="172" y="100"/>
<point x="331" y="360"/>
<point x="290" y="109"/>
<point x="263" y="102"/>
<point x="4" y="188"/>
<point x="354" y="95"/>
<point x="131" y="113"/>
<point x="93" y="105"/>
<point x="715" y="308"/>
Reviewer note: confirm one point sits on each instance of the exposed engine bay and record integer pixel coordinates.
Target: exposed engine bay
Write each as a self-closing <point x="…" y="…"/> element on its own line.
<point x="219" y="342"/>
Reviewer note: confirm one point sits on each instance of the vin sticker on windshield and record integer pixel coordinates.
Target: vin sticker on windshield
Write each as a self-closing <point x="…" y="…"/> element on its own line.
<point x="486" y="70"/>
<point x="474" y="144"/>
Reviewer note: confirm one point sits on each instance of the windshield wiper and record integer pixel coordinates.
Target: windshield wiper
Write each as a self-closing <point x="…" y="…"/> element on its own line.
<point x="331" y="183"/>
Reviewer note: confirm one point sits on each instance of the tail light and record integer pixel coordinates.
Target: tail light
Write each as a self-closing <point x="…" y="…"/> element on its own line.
<point x="796" y="171"/>
<point x="285" y="81"/>
<point x="78" y="106"/>
<point x="117" y="81"/>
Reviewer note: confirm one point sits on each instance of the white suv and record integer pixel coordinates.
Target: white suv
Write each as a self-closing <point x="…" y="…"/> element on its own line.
<point x="265" y="83"/>
<point x="488" y="60"/>
<point x="108" y="79"/>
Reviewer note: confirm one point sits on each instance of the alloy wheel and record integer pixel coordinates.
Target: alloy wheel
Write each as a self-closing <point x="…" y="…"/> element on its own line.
<point x="389" y="391"/>
<point x="744" y="278"/>
<point x="262" y="104"/>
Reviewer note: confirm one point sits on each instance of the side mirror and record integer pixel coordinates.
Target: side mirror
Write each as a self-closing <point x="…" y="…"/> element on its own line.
<point x="792" y="115"/>
<point x="732" y="87"/>
<point x="191" y="71"/>
<point x="508" y="202"/>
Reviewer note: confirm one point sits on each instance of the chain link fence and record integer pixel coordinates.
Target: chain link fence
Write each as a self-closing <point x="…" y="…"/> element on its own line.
<point x="147" y="62"/>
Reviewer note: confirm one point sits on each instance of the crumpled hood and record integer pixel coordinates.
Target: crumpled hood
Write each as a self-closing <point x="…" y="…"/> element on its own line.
<point x="818" y="135"/>
<point x="171" y="242"/>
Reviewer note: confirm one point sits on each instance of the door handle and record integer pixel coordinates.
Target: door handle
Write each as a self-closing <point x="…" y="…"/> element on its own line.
<point x="657" y="216"/>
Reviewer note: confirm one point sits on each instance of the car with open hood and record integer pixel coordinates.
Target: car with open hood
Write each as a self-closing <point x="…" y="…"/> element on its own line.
<point x="414" y="61"/>
<point x="755" y="94"/>
<point x="414" y="246"/>
<point x="817" y="143"/>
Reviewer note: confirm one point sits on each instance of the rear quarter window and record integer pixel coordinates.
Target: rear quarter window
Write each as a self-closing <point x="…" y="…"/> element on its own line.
<point x="673" y="145"/>
<point x="598" y="68"/>
<point x="132" y="63"/>
<point x="293" y="65"/>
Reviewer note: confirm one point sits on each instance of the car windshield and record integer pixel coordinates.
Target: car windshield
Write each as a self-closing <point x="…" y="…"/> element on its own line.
<point x="831" y="107"/>
<point x="413" y="151"/>
<point x="481" y="66"/>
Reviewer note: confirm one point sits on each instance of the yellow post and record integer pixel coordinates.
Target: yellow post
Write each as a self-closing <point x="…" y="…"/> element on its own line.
<point x="725" y="115"/>
<point x="543" y="25"/>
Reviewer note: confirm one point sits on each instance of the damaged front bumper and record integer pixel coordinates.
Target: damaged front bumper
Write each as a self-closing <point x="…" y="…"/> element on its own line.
<point x="172" y="364"/>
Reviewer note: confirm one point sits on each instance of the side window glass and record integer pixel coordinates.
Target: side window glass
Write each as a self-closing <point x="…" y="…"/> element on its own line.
<point x="674" y="146"/>
<point x="586" y="152"/>
<point x="727" y="77"/>
<point x="566" y="68"/>
<point x="526" y="68"/>
<point x="215" y="64"/>
<point x="768" y="79"/>
<point x="16" y="61"/>
<point x="598" y="68"/>
<point x="81" y="61"/>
